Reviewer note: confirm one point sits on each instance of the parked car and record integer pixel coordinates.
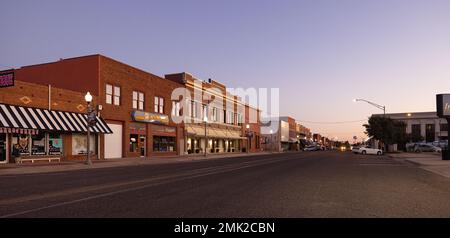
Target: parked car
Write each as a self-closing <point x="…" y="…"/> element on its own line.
<point x="426" y="148"/>
<point x="369" y="150"/>
<point x="441" y="144"/>
<point x="355" y="149"/>
<point x="311" y="148"/>
<point x="410" y="147"/>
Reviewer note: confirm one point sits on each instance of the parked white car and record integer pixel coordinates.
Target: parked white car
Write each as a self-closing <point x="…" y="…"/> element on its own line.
<point x="355" y="149"/>
<point x="426" y="148"/>
<point x="370" y="151"/>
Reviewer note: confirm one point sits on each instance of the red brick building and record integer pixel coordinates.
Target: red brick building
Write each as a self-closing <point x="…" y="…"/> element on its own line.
<point x="135" y="105"/>
<point x="45" y="122"/>
<point x="227" y="118"/>
<point x="122" y="93"/>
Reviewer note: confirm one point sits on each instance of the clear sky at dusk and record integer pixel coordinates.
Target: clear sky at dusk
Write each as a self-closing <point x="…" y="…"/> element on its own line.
<point x="321" y="54"/>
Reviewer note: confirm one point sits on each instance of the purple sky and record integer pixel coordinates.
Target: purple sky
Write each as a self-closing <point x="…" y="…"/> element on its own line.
<point x="321" y="54"/>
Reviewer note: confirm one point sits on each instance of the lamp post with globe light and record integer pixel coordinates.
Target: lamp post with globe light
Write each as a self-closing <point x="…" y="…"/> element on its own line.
<point x="247" y="132"/>
<point x="88" y="99"/>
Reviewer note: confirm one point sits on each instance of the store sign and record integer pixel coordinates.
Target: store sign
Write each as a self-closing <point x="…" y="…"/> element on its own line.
<point x="149" y="117"/>
<point x="6" y="79"/>
<point x="443" y="105"/>
<point x="164" y="129"/>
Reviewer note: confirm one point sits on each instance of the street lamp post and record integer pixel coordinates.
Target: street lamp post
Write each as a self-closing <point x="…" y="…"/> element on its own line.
<point x="373" y="104"/>
<point x="205" y="119"/>
<point x="88" y="98"/>
<point x="247" y="132"/>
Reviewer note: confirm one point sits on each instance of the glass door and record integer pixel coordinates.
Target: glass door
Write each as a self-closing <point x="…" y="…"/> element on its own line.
<point x="2" y="148"/>
<point x="142" y="144"/>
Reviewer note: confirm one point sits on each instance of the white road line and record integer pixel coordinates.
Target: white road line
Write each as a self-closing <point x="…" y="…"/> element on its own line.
<point x="176" y="179"/>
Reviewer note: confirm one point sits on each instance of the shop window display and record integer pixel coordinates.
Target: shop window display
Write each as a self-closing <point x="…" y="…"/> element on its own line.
<point x="79" y="144"/>
<point x="38" y="144"/>
<point x="55" y="144"/>
<point x="23" y="143"/>
<point x="163" y="144"/>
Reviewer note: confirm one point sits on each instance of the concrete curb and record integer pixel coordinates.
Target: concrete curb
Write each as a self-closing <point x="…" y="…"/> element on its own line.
<point x="116" y="163"/>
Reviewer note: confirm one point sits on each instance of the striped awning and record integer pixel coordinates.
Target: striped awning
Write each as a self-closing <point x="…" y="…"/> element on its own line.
<point x="18" y="117"/>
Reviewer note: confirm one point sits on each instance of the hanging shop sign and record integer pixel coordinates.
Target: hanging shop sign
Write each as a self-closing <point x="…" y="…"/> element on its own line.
<point x="6" y="79"/>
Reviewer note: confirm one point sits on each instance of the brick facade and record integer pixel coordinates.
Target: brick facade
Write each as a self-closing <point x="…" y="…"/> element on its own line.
<point x="131" y="79"/>
<point x="70" y="79"/>
<point x="228" y="102"/>
<point x="37" y="95"/>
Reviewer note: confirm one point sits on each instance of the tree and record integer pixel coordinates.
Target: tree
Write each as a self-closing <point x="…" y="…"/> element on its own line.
<point x="386" y="130"/>
<point x="399" y="136"/>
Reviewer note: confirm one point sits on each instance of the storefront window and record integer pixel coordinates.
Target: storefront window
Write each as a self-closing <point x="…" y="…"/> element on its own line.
<point x="79" y="144"/>
<point x="55" y="144"/>
<point x="133" y="142"/>
<point x="23" y="142"/>
<point x="38" y="144"/>
<point x="164" y="143"/>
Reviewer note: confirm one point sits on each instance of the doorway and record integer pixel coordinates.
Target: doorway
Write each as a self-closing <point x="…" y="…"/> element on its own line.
<point x="3" y="148"/>
<point x="142" y="144"/>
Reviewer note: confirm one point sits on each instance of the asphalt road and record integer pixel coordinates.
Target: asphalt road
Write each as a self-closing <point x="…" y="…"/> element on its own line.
<point x="306" y="184"/>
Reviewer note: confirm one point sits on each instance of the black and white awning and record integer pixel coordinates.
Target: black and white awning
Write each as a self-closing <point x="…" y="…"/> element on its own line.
<point x="18" y="117"/>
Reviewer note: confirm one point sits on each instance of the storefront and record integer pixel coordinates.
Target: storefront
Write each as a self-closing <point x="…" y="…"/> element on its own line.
<point x="3" y="148"/>
<point x="220" y="140"/>
<point x="151" y="134"/>
<point x="138" y="138"/>
<point x="164" y="139"/>
<point x="32" y="132"/>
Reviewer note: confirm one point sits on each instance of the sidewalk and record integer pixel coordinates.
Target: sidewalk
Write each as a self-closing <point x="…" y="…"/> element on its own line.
<point x="429" y="161"/>
<point x="28" y="168"/>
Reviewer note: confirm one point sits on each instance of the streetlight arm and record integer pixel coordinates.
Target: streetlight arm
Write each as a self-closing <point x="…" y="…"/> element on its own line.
<point x="372" y="103"/>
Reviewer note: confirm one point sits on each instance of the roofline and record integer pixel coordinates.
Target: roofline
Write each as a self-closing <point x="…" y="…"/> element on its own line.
<point x="98" y="56"/>
<point x="414" y="115"/>
<point x="61" y="59"/>
<point x="398" y="113"/>
<point x="141" y="70"/>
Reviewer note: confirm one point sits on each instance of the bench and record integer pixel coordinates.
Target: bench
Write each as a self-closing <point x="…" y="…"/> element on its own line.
<point x="49" y="159"/>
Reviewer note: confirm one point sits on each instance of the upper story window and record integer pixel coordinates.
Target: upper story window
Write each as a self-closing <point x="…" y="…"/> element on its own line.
<point x="215" y="114"/>
<point x="444" y="127"/>
<point x="193" y="109"/>
<point x="116" y="95"/>
<point x="138" y="100"/>
<point x="159" y="104"/>
<point x="230" y="118"/>
<point x="112" y="94"/>
<point x="239" y="119"/>
<point x="205" y="112"/>
<point x="176" y="109"/>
